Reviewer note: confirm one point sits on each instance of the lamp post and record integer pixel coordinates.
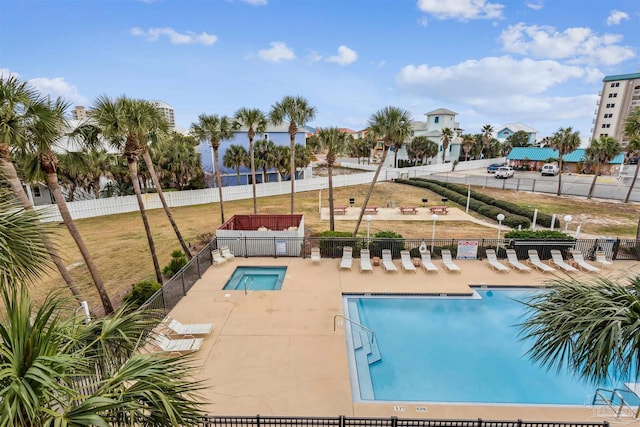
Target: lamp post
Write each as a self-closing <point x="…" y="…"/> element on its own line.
<point x="567" y="220"/>
<point x="500" y="217"/>
<point x="368" y="218"/>
<point x="434" y="217"/>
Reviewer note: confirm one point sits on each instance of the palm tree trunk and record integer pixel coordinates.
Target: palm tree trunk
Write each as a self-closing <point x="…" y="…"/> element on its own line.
<point x="133" y="172"/>
<point x="559" y="177"/>
<point x="264" y="174"/>
<point x="292" y="168"/>
<point x="216" y="155"/>
<point x="156" y="182"/>
<point x="253" y="176"/>
<point x="371" y="187"/>
<point x="593" y="183"/>
<point x="635" y="176"/>
<point x="54" y="186"/>
<point x="238" y="175"/>
<point x="331" y="215"/>
<point x="395" y="157"/>
<point x="8" y="170"/>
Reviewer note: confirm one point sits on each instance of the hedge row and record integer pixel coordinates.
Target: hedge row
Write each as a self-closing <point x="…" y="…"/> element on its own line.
<point x="543" y="219"/>
<point x="510" y="219"/>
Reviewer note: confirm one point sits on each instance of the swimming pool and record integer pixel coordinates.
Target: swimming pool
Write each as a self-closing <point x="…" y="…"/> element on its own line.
<point x="458" y="349"/>
<point x="256" y="278"/>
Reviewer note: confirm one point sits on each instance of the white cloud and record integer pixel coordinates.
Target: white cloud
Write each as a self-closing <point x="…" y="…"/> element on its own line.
<point x="577" y="44"/>
<point x="462" y="10"/>
<point x="255" y="2"/>
<point x="278" y="52"/>
<point x="535" y="5"/>
<point x="616" y="16"/>
<point x="314" y="56"/>
<point x="544" y="109"/>
<point x="345" y="56"/>
<point x="58" y="87"/>
<point x="189" y="37"/>
<point x="5" y="73"/>
<point x="423" y="21"/>
<point x="491" y="77"/>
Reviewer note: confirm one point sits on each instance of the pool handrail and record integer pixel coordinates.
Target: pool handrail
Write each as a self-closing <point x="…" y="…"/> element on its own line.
<point x="244" y="282"/>
<point x="609" y="402"/>
<point x="373" y="333"/>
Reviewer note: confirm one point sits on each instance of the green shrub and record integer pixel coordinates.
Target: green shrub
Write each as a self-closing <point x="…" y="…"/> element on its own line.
<point x="387" y="240"/>
<point x="141" y="292"/>
<point x="333" y="242"/>
<point x="178" y="260"/>
<point x="537" y="234"/>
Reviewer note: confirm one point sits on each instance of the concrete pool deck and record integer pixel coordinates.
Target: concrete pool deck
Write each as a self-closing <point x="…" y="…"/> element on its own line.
<point x="275" y="352"/>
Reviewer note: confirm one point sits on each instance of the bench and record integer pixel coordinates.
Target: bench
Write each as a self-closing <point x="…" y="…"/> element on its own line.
<point x="438" y="209"/>
<point x="371" y="209"/>
<point x="408" y="209"/>
<point x="340" y="209"/>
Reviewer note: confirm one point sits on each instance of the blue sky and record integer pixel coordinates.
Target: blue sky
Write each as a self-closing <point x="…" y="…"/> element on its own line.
<point x="539" y="62"/>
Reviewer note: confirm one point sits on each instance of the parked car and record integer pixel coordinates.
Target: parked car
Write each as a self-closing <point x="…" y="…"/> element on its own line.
<point x="494" y="167"/>
<point x="504" y="172"/>
<point x="549" y="169"/>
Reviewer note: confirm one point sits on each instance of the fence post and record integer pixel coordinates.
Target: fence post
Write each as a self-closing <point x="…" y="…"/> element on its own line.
<point x="198" y="266"/>
<point x="246" y="252"/>
<point x="275" y="249"/>
<point x="184" y="291"/>
<point x="616" y="247"/>
<point x="258" y="420"/>
<point x="479" y="422"/>
<point x="341" y="421"/>
<point x="394" y="421"/>
<point x="519" y="422"/>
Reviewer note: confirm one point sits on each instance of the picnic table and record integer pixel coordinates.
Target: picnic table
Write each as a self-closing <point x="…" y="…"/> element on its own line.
<point x="438" y="209"/>
<point x="408" y="210"/>
<point x="371" y="209"/>
<point x="340" y="209"/>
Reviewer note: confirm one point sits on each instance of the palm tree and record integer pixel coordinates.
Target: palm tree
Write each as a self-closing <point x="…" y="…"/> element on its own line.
<point x="125" y="123"/>
<point x="256" y="122"/>
<point x="42" y="160"/>
<point x="446" y="135"/>
<point x="265" y="156"/>
<point x="297" y="111"/>
<point x="564" y="141"/>
<point x="601" y="151"/>
<point x="214" y="129"/>
<point x="99" y="164"/>
<point x="467" y="143"/>
<point x="20" y="106"/>
<point x="334" y="141"/>
<point x="632" y="131"/>
<point x="234" y="158"/>
<point x="487" y="134"/>
<point x="65" y="371"/>
<point x="589" y="326"/>
<point x="178" y="160"/>
<point x="390" y="124"/>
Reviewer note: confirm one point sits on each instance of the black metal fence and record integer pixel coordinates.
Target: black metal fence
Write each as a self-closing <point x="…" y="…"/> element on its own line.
<point x="342" y="421"/>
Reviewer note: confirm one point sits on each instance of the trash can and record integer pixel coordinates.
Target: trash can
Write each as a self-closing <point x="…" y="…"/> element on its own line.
<point x="393" y="204"/>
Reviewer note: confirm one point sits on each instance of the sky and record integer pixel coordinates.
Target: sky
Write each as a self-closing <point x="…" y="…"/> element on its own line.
<point x="538" y="62"/>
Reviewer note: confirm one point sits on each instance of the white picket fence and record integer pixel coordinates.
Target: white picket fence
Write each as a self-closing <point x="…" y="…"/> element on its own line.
<point x="116" y="205"/>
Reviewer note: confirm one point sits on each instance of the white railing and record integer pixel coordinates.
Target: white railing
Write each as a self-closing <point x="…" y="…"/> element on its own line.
<point x="116" y="205"/>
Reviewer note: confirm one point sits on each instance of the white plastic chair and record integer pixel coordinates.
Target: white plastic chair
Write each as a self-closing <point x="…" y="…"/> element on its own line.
<point x="387" y="262"/>
<point x="365" y="260"/>
<point x="217" y="257"/>
<point x="426" y="262"/>
<point x="582" y="263"/>
<point x="226" y="253"/>
<point x="180" y="328"/>
<point x="493" y="261"/>
<point x="347" y="258"/>
<point x="556" y="258"/>
<point x="534" y="260"/>
<point x="447" y="260"/>
<point x="512" y="258"/>
<point x="315" y="254"/>
<point x="177" y="346"/>
<point x="407" y="264"/>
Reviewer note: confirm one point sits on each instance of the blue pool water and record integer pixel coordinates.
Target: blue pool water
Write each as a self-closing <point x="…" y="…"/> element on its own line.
<point x="256" y="278"/>
<point x="451" y="350"/>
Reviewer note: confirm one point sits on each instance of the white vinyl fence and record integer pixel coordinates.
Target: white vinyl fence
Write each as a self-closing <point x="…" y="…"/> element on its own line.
<point x="124" y="204"/>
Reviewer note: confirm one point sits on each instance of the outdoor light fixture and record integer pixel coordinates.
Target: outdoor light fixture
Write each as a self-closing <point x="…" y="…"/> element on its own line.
<point x="500" y="217"/>
<point x="368" y="218"/>
<point x="434" y="217"/>
<point x="567" y="220"/>
<point x="352" y="201"/>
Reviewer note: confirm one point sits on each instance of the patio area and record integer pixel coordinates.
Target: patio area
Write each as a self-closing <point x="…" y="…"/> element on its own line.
<point x="275" y="352"/>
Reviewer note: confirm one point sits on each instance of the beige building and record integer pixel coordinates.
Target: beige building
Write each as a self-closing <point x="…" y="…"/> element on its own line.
<point x="620" y="94"/>
<point x="168" y="112"/>
<point x="80" y="112"/>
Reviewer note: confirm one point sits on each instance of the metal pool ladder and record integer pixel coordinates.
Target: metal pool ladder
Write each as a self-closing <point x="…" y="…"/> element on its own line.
<point x="371" y="331"/>
<point x="245" y="283"/>
<point x="610" y="400"/>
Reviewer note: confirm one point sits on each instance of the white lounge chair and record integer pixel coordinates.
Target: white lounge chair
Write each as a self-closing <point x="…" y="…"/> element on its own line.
<point x="426" y="262"/>
<point x="493" y="261"/>
<point x="407" y="264"/>
<point x="582" y="263"/>
<point x="447" y="260"/>
<point x="315" y="254"/>
<point x="217" y="257"/>
<point x="534" y="260"/>
<point x="512" y="258"/>
<point x="180" y="328"/>
<point x="365" y="260"/>
<point x="226" y="253"/>
<point x="387" y="262"/>
<point x="347" y="258"/>
<point x="556" y="258"/>
<point x="178" y="346"/>
<point x="601" y="258"/>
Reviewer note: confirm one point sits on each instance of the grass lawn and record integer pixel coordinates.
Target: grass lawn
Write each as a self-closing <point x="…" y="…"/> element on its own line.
<point x="119" y="246"/>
